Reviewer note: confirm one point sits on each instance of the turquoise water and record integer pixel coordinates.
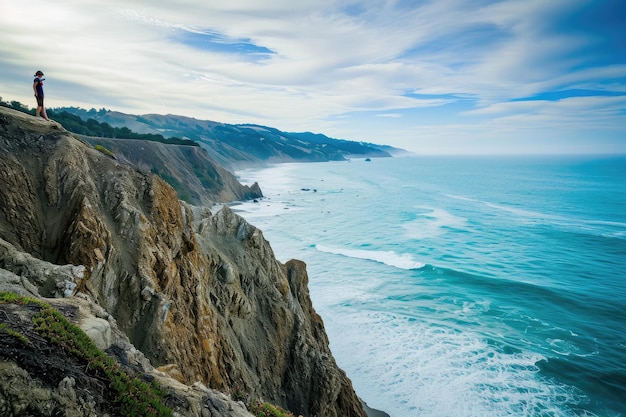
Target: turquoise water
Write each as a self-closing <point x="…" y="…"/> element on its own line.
<point x="457" y="286"/>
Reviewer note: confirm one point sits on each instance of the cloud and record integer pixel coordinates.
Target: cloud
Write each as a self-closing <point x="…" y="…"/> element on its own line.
<point x="604" y="116"/>
<point x="328" y="64"/>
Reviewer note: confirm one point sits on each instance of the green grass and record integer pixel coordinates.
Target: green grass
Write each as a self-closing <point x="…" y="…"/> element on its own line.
<point x="12" y="298"/>
<point x="104" y="150"/>
<point x="9" y="331"/>
<point x="268" y="410"/>
<point x="135" y="398"/>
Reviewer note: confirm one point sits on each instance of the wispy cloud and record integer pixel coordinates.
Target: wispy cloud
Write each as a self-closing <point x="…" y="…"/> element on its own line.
<point x="333" y="66"/>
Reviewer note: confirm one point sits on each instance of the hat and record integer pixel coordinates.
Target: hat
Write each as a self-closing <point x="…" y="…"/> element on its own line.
<point x="38" y="73"/>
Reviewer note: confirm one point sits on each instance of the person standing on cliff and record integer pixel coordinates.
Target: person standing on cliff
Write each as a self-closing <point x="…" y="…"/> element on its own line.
<point x="38" y="89"/>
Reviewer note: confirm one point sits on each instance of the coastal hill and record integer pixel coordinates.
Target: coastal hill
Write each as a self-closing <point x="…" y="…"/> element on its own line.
<point x="241" y="145"/>
<point x="196" y="177"/>
<point x="192" y="300"/>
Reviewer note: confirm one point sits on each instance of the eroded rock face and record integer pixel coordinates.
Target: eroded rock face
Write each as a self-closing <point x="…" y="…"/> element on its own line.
<point x="200" y="294"/>
<point x="196" y="176"/>
<point x="40" y="378"/>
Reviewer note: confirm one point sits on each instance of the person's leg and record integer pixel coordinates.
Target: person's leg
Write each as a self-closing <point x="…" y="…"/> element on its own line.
<point x="41" y="109"/>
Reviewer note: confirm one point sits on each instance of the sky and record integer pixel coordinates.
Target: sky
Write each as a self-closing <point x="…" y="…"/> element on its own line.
<point x="429" y="76"/>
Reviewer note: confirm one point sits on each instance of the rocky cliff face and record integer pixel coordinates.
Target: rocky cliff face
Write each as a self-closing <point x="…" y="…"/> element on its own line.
<point x="201" y="295"/>
<point x="196" y="177"/>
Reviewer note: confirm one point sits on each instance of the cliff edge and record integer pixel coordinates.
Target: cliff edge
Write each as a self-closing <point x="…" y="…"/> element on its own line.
<point x="199" y="294"/>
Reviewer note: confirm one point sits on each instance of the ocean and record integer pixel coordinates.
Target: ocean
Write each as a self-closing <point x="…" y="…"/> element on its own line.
<point x="462" y="286"/>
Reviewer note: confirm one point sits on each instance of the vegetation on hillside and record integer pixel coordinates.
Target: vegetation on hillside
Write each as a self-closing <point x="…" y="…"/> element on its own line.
<point x="133" y="396"/>
<point x="92" y="127"/>
<point x="253" y="140"/>
<point x="268" y="410"/>
<point x="104" y="150"/>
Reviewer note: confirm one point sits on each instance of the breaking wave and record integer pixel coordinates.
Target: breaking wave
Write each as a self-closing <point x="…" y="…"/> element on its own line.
<point x="402" y="261"/>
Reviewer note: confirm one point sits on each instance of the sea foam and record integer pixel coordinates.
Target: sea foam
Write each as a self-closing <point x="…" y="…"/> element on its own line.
<point x="432" y="222"/>
<point x="518" y="311"/>
<point x="432" y="369"/>
<point x="402" y="261"/>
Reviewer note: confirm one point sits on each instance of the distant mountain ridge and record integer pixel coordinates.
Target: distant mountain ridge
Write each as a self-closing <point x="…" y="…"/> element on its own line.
<point x="239" y="145"/>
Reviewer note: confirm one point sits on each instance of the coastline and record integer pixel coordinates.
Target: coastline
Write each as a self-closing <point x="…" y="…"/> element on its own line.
<point x="433" y="204"/>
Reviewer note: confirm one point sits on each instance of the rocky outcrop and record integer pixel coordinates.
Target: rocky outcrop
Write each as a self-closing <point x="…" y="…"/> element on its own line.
<point x="38" y="377"/>
<point x="201" y="295"/>
<point x="196" y="177"/>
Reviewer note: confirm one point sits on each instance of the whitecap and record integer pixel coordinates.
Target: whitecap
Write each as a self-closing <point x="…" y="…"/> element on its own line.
<point x="402" y="261"/>
<point x="433" y="222"/>
<point x="462" y="198"/>
<point x="584" y="225"/>
<point x="432" y="368"/>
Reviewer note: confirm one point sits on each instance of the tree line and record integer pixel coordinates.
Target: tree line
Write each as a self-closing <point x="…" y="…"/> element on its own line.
<point x="92" y="127"/>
